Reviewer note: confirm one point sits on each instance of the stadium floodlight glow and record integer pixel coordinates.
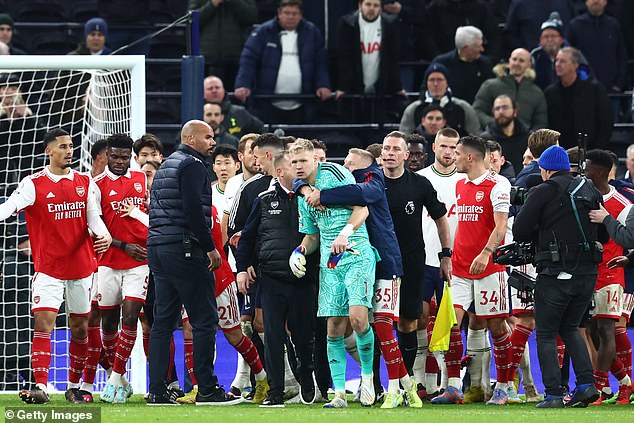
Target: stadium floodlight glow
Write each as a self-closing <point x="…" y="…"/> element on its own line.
<point x="91" y="97"/>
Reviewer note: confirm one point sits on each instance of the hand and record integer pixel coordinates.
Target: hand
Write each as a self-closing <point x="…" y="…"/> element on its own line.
<point x="479" y="263"/>
<point x="393" y="8"/>
<point x="126" y="207"/>
<point x="25" y="248"/>
<point x="620" y="261"/>
<point x="339" y="94"/>
<point x="214" y="260"/>
<point x="243" y="282"/>
<point x="297" y="262"/>
<point x="242" y="94"/>
<point x="339" y="245"/>
<point x="598" y="216"/>
<point x="251" y="274"/>
<point x="402" y="93"/>
<point x="324" y="93"/>
<point x="305" y="190"/>
<point x="136" y="251"/>
<point x="102" y="243"/>
<point x="235" y="238"/>
<point x="445" y="269"/>
<point x="313" y="198"/>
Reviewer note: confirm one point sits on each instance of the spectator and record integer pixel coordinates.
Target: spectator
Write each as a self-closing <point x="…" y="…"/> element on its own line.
<point x="551" y="40"/>
<point x="6" y="33"/>
<point x="508" y="130"/>
<point x="538" y="142"/>
<point x="449" y="15"/>
<point x="367" y="59"/>
<point x="238" y="120"/>
<point x="285" y="55"/>
<point x="224" y="26"/>
<point x="522" y="27"/>
<point x="4" y="49"/>
<point x="468" y="68"/>
<point x="432" y="120"/>
<point x="516" y="80"/>
<point x="498" y="163"/>
<point x="577" y="105"/>
<point x="130" y="19"/>
<point x="458" y="113"/>
<point x="598" y="36"/>
<point x="95" y="35"/>
<point x="214" y="118"/>
<point x="625" y="15"/>
<point x="629" y="164"/>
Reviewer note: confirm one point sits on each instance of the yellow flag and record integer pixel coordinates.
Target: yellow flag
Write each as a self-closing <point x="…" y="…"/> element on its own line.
<point x="445" y="320"/>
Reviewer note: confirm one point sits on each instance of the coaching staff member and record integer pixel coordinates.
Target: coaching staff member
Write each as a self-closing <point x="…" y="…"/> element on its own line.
<point x="567" y="265"/>
<point x="181" y="255"/>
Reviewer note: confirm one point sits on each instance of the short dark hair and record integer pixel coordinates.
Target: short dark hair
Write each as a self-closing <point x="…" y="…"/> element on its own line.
<point x="375" y="149"/>
<point x="51" y="135"/>
<point x="298" y="3"/>
<point x="215" y="103"/>
<point x="600" y="158"/>
<point x="148" y="140"/>
<point x="98" y="147"/>
<point x="120" y="141"/>
<point x="319" y="145"/>
<point x="513" y="102"/>
<point x="153" y="163"/>
<point x="268" y="140"/>
<point x="493" y="146"/>
<point x="397" y="134"/>
<point x="432" y="108"/>
<point x="573" y="156"/>
<point x="448" y="132"/>
<point x="474" y="143"/>
<point x="225" y="151"/>
<point x="415" y="139"/>
<point x="615" y="159"/>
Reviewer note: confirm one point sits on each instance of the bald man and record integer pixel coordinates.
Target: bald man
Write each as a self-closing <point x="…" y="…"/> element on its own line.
<point x="181" y="254"/>
<point x="517" y="80"/>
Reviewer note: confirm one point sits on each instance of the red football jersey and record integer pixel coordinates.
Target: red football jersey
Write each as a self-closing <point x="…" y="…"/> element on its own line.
<point x="56" y="210"/>
<point x="112" y="190"/>
<point x="476" y="201"/>
<point x="224" y="276"/>
<point x="618" y="206"/>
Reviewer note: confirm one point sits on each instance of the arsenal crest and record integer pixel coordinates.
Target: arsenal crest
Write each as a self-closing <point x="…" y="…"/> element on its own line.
<point x="479" y="196"/>
<point x="36" y="299"/>
<point x="138" y="187"/>
<point x="81" y="191"/>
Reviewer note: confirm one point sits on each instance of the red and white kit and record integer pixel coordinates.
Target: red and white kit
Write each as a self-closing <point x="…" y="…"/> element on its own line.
<point x="120" y="276"/>
<point x="477" y="201"/>
<point x="608" y="291"/>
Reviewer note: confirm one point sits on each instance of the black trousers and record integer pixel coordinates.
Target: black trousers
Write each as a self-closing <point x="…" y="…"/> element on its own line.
<point x="287" y="304"/>
<point x="559" y="307"/>
<point x="179" y="281"/>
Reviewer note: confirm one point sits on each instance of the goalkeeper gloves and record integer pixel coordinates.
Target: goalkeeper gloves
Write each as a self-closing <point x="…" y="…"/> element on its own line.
<point x="297" y="261"/>
<point x="333" y="260"/>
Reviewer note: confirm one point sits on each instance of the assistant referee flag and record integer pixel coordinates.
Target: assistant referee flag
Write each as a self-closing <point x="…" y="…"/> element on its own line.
<point x="445" y="320"/>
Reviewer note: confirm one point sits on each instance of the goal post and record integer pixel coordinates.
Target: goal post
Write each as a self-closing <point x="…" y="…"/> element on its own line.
<point x="91" y="97"/>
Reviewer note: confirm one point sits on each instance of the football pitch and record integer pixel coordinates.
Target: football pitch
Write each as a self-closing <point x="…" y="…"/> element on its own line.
<point x="135" y="411"/>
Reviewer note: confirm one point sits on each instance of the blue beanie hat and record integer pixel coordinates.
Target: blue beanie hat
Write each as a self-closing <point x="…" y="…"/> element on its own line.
<point x="436" y="67"/>
<point x="554" y="158"/>
<point x="96" y="24"/>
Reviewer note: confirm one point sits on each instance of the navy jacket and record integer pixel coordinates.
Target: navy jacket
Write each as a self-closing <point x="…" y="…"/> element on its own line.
<point x="262" y="54"/>
<point x="465" y="78"/>
<point x="370" y="191"/>
<point x="600" y="40"/>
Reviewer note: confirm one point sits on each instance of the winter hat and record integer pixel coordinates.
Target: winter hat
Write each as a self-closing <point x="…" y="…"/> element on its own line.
<point x="436" y="67"/>
<point x="96" y="24"/>
<point x="553" y="22"/>
<point x="554" y="158"/>
<point x="6" y="19"/>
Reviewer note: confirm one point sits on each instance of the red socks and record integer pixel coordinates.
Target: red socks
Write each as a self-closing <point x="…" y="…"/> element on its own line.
<point x="250" y="354"/>
<point x="110" y="340"/>
<point x="389" y="347"/>
<point x="127" y="337"/>
<point x="623" y="348"/>
<point x="518" y="344"/>
<point x="502" y="352"/>
<point x="94" y="354"/>
<point x="189" y="359"/>
<point x="78" y="352"/>
<point x="41" y="356"/>
<point x="454" y="355"/>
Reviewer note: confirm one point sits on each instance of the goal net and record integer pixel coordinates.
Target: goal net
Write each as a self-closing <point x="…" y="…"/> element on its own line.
<point x="91" y="97"/>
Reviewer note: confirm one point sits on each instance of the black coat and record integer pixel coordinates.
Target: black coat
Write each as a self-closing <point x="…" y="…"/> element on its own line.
<point x="348" y="57"/>
<point x="465" y="78"/>
<point x="587" y="110"/>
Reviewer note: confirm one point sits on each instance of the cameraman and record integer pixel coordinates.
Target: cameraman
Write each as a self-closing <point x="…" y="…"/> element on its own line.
<point x="567" y="264"/>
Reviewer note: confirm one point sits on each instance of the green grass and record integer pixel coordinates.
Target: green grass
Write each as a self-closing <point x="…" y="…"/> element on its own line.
<point x="136" y="411"/>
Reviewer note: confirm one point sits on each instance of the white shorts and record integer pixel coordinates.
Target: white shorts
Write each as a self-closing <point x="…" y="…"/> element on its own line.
<point x="607" y="302"/>
<point x="518" y="300"/>
<point x="489" y="295"/>
<point x="227" y="306"/>
<point x="49" y="293"/>
<point x="94" y="289"/>
<point x="117" y="285"/>
<point x="627" y="305"/>
<point x="387" y="294"/>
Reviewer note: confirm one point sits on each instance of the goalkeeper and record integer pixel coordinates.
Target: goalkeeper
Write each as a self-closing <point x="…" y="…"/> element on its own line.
<point x="347" y="265"/>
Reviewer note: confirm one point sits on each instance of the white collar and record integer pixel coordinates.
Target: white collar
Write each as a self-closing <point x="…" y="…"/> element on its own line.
<point x="479" y="179"/>
<point x="115" y="177"/>
<point x="56" y="178"/>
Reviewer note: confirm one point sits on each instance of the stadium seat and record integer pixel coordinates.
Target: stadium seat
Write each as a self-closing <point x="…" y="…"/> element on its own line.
<point x="81" y="10"/>
<point x="161" y="111"/>
<point x="170" y="46"/>
<point x="160" y="11"/>
<point x="52" y="43"/>
<point x="37" y="11"/>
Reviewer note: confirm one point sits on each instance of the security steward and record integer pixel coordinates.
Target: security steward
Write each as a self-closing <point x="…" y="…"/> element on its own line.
<point x="181" y="255"/>
<point x="567" y="261"/>
<point x="286" y="300"/>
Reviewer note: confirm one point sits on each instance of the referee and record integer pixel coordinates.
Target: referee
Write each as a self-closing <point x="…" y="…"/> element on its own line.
<point x="181" y="254"/>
